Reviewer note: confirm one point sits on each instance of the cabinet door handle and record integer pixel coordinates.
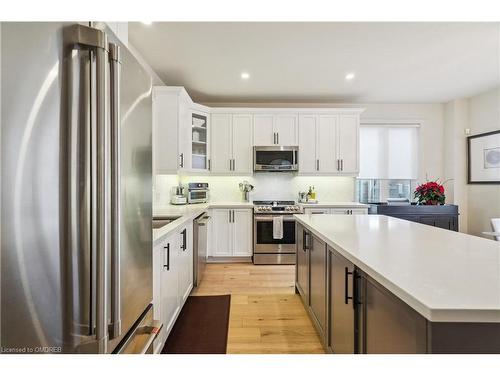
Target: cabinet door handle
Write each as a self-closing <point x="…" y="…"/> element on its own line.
<point x="209" y="164"/>
<point x="233" y="215"/>
<point x="341" y="164"/>
<point x="317" y="164"/>
<point x="229" y="212"/>
<point x="346" y="286"/>
<point x="234" y="164"/>
<point x="277" y="138"/>
<point x="305" y="244"/>
<point x="338" y="165"/>
<point x="184" y="238"/>
<point x="167" y="266"/>
<point x="181" y="163"/>
<point x="274" y="138"/>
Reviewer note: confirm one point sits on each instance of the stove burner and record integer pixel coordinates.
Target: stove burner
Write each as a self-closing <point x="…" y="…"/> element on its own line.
<point x="274" y="203"/>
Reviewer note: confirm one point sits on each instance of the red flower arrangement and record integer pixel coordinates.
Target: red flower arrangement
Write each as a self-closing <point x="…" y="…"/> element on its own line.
<point x="431" y="193"/>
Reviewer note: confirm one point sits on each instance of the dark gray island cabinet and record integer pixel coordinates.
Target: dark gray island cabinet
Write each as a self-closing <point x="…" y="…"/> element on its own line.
<point x="441" y="216"/>
<point x="353" y="313"/>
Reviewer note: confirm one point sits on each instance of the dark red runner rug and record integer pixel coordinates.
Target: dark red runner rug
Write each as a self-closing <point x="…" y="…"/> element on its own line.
<point x="201" y="327"/>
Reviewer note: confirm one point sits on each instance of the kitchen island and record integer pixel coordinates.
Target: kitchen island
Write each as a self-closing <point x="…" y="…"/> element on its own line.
<point x="405" y="287"/>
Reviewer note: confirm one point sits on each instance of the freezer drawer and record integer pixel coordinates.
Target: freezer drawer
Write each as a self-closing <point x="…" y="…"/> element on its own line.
<point x="141" y="338"/>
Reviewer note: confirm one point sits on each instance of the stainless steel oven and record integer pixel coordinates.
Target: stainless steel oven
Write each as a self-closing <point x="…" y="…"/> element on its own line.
<point x="267" y="248"/>
<point x="276" y="158"/>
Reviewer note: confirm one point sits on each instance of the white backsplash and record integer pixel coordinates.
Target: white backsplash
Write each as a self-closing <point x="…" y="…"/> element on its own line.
<point x="285" y="186"/>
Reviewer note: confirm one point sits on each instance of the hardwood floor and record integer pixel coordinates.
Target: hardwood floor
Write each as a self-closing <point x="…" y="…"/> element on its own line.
<point x="266" y="314"/>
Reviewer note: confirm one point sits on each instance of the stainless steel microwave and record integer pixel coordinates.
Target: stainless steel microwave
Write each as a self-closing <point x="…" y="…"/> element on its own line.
<point x="276" y="158"/>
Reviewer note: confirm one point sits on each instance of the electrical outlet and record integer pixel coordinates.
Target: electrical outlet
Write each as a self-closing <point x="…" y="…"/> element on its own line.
<point x="467" y="131"/>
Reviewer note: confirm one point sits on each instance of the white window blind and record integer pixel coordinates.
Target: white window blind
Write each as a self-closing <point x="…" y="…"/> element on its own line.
<point x="388" y="152"/>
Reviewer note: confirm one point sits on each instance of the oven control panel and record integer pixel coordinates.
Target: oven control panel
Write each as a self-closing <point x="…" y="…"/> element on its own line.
<point x="277" y="209"/>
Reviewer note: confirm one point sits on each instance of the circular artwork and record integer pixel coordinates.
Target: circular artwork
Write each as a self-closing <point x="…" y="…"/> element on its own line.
<point x="492" y="158"/>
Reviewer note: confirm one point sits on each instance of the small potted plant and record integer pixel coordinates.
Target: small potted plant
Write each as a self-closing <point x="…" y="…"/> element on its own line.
<point x="430" y="193"/>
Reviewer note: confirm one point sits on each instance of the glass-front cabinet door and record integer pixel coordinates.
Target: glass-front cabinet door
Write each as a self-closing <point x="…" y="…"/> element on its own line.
<point x="199" y="148"/>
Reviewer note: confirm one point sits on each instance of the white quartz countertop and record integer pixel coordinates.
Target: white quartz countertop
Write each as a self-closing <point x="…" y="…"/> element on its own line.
<point x="334" y="204"/>
<point x="186" y="213"/>
<point x="444" y="275"/>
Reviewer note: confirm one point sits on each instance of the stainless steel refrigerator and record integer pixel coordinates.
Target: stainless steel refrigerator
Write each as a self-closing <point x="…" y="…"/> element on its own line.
<point x="76" y="255"/>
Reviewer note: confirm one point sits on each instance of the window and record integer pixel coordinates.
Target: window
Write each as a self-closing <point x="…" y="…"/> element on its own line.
<point x="388" y="162"/>
<point x="378" y="190"/>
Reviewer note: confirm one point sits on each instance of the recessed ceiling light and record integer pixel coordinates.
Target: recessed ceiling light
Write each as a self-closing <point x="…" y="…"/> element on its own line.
<point x="245" y="75"/>
<point x="146" y="22"/>
<point x="349" y="76"/>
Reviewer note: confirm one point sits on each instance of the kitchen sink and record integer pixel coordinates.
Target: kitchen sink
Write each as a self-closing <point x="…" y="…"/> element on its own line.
<point x="161" y="221"/>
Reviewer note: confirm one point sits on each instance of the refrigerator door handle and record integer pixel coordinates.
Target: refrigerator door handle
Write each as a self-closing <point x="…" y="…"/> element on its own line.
<point x="114" y="327"/>
<point x="79" y="37"/>
<point x="94" y="40"/>
<point x="101" y="203"/>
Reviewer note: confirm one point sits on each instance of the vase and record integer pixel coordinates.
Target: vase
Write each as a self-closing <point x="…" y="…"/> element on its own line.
<point x="431" y="202"/>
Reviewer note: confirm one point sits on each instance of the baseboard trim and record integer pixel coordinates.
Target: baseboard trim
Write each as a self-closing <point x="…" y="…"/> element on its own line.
<point x="211" y="259"/>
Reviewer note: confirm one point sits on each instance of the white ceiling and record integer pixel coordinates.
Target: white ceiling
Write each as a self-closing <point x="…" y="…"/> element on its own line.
<point x="307" y="62"/>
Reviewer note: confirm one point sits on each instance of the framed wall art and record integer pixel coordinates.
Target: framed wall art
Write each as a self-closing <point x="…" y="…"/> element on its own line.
<point x="483" y="158"/>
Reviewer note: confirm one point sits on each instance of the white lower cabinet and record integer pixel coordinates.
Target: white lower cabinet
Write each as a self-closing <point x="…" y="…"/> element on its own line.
<point x="336" y="211"/>
<point x="242" y="232"/>
<point x="172" y="279"/>
<point x="185" y="262"/>
<point x="349" y="211"/>
<point x="314" y="211"/>
<point x="231" y="232"/>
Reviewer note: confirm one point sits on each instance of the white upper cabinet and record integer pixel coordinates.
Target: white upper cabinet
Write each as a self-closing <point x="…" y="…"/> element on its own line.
<point x="184" y="134"/>
<point x="192" y="138"/>
<point x="278" y="129"/>
<point x="348" y="144"/>
<point x="180" y="132"/>
<point x="165" y="131"/>
<point x="221" y="155"/>
<point x="328" y="143"/>
<point x="200" y="145"/>
<point x="263" y="130"/>
<point x="285" y="127"/>
<point x="307" y="143"/>
<point x="231" y="144"/>
<point x="242" y="144"/>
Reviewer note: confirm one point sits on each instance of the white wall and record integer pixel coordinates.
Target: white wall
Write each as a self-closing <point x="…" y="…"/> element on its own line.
<point x="484" y="200"/>
<point x="157" y="81"/>
<point x="454" y="149"/>
<point x="478" y="203"/>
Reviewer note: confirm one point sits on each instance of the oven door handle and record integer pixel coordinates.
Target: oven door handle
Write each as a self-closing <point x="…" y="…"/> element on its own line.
<point x="270" y="218"/>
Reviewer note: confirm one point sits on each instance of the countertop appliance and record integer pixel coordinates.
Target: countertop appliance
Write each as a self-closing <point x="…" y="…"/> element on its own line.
<point x="178" y="195"/>
<point x="197" y="192"/>
<point x="276" y="158"/>
<point x="267" y="249"/>
<point x="200" y="243"/>
<point x="76" y="192"/>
